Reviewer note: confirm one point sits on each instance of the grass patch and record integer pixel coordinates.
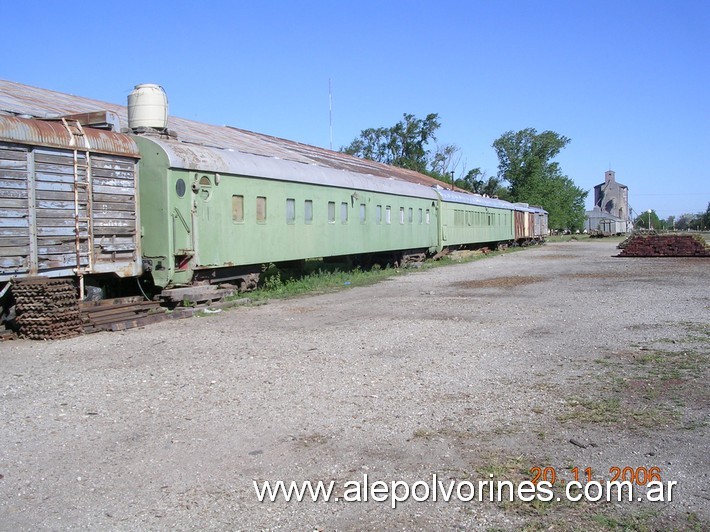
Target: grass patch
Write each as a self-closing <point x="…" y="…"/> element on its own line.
<point x="643" y="520"/>
<point x="514" y="468"/>
<point x="318" y="276"/>
<point x="593" y="411"/>
<point x="612" y="411"/>
<point x="649" y="386"/>
<point x="540" y="515"/>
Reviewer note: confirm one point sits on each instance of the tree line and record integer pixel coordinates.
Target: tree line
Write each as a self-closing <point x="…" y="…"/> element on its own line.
<point x="526" y="170"/>
<point x="695" y="222"/>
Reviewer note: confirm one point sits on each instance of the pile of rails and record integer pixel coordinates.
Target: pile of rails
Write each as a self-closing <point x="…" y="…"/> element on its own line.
<point x="671" y="245"/>
<point x="47" y="309"/>
<point x="120" y="314"/>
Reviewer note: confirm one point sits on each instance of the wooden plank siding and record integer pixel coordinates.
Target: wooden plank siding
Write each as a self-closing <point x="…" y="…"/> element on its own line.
<point x="37" y="212"/>
<point x="14" y="226"/>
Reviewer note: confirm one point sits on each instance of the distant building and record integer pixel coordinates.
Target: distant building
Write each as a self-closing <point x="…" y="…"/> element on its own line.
<point x="611" y="207"/>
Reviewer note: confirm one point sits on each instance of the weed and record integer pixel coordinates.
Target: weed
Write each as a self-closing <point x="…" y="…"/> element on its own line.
<point x="647" y="387"/>
<point x="639" y="521"/>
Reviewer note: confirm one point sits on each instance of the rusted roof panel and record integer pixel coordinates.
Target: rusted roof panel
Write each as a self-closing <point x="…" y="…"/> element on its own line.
<point x="472" y="199"/>
<point x="209" y="159"/>
<point x="17" y="98"/>
<point x="54" y="133"/>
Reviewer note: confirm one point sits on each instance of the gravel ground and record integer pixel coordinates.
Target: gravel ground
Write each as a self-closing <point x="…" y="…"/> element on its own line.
<point x="476" y="369"/>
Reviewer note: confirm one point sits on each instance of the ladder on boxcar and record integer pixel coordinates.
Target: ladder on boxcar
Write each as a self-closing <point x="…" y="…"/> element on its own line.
<point x="82" y="202"/>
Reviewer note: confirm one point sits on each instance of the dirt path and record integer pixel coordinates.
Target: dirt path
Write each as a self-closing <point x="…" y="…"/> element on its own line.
<point x="478" y="369"/>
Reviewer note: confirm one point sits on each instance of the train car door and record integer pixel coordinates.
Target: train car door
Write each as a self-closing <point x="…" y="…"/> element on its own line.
<point x="183" y="244"/>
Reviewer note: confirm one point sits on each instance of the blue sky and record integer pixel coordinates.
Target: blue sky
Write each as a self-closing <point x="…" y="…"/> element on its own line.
<point x="628" y="81"/>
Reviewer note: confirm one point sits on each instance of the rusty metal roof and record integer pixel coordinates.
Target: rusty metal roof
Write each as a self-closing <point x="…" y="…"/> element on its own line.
<point x="55" y="134"/>
<point x="451" y="196"/>
<point x="19" y="99"/>
<point x="209" y="159"/>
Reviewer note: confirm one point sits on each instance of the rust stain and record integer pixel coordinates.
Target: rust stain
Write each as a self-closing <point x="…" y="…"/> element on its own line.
<point x="500" y="282"/>
<point x="53" y="133"/>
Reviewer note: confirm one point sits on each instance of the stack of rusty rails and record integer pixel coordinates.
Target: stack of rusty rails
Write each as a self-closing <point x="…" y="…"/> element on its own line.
<point x="47" y="309"/>
<point x="671" y="245"/>
<point x="120" y="314"/>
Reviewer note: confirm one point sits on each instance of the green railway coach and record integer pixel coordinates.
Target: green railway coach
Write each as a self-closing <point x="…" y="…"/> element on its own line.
<point x="218" y="214"/>
<point x="472" y="219"/>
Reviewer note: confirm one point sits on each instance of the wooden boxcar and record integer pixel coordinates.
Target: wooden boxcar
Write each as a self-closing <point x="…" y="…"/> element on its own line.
<point x="68" y="201"/>
<point x="530" y="223"/>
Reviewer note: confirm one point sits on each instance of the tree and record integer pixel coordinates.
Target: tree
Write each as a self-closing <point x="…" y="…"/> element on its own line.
<point x="475" y="181"/>
<point x="525" y="162"/>
<point x="696" y="222"/>
<point x="405" y="144"/>
<point x="643" y="219"/>
<point x="445" y="160"/>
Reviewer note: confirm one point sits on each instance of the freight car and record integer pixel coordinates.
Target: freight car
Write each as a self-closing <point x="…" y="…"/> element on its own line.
<point x="530" y="224"/>
<point x="67" y="212"/>
<point x="89" y="206"/>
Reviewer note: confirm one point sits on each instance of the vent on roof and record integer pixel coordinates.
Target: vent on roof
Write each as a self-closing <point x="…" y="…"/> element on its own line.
<point x="97" y="119"/>
<point x="147" y="107"/>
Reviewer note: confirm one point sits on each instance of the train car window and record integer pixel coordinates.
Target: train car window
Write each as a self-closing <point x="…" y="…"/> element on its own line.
<point x="180" y="187"/>
<point x="401" y="215"/>
<point x="261" y="209"/>
<point x="238" y="209"/>
<point x="388" y="214"/>
<point x="363" y="213"/>
<point x="308" y="211"/>
<point x="458" y="217"/>
<point x="411" y="215"/>
<point x="205" y="188"/>
<point x="331" y="212"/>
<point x="428" y="216"/>
<point x="421" y="216"/>
<point x="489" y="220"/>
<point x="378" y="214"/>
<point x="344" y="212"/>
<point x="290" y="211"/>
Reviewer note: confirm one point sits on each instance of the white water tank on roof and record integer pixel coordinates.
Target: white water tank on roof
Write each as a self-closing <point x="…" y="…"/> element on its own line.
<point x="148" y="107"/>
